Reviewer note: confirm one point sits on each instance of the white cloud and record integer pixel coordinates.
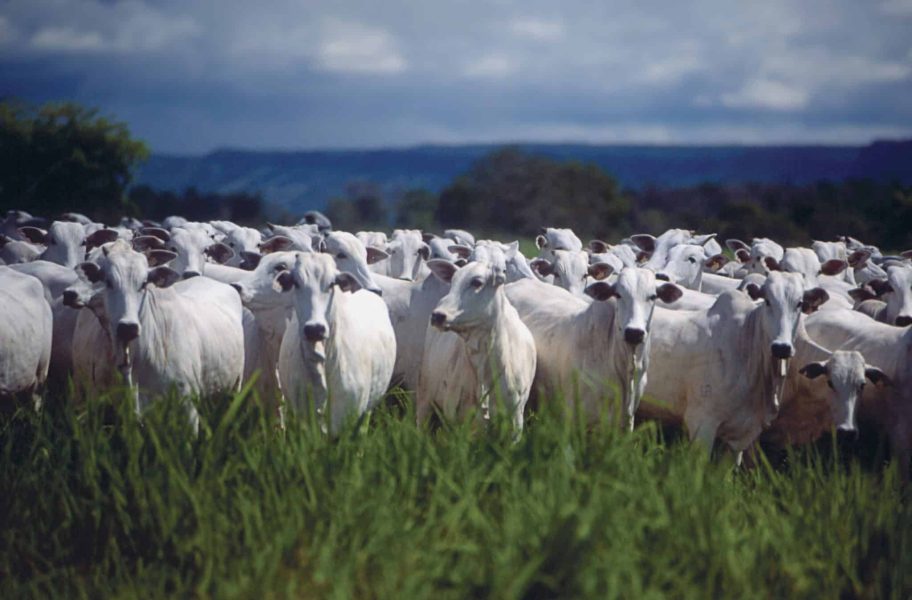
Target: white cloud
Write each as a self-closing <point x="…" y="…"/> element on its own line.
<point x="897" y="7"/>
<point x="671" y="69"/>
<point x="767" y="94"/>
<point x="490" y="66"/>
<point x="67" y="39"/>
<point x="355" y="48"/>
<point x="537" y="29"/>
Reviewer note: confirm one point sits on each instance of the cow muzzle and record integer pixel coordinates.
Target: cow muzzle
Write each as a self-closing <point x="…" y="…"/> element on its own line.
<point x="781" y="351"/>
<point x="903" y="321"/>
<point x="190" y="274"/>
<point x="71" y="299"/>
<point x="127" y="331"/>
<point x="315" y="332"/>
<point x="438" y="319"/>
<point x="663" y="277"/>
<point x="634" y="336"/>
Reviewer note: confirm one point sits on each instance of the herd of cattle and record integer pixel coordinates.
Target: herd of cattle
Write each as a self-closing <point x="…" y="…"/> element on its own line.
<point x="776" y="344"/>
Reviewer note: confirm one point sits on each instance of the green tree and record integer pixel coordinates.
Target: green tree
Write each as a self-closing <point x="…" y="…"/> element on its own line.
<point x="65" y="157"/>
<point x="415" y="210"/>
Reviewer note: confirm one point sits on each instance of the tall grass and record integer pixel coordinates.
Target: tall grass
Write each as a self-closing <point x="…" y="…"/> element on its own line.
<point x="96" y="503"/>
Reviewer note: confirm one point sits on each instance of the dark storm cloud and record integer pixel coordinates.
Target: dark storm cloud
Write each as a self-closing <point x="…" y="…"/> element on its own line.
<point x="193" y="76"/>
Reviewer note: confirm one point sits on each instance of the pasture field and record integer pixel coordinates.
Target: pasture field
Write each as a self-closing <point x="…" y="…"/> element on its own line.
<point x="95" y="503"/>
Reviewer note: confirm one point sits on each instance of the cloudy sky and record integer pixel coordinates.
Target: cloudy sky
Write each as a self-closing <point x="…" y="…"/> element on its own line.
<point x="190" y="76"/>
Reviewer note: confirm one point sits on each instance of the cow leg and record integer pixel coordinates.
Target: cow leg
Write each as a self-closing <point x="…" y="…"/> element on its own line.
<point x="702" y="430"/>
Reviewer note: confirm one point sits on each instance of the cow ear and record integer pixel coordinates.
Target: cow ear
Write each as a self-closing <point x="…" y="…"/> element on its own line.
<point x="542" y="266"/>
<point x="442" y="269"/>
<point x="880" y="286"/>
<point x="219" y="252"/>
<point x="860" y="294"/>
<point x="147" y="242"/>
<point x="877" y="376"/>
<point x="735" y="244"/>
<point x="771" y="263"/>
<point x="283" y="282"/>
<point x="277" y="243"/>
<point x="460" y="250"/>
<point x="858" y="258"/>
<point x="427" y="237"/>
<point x="162" y="277"/>
<point x="347" y="282"/>
<point x="600" y="290"/>
<point x="742" y="255"/>
<point x="813" y="370"/>
<point x="250" y="260"/>
<point x="714" y="263"/>
<point x="669" y="293"/>
<point x="598" y="247"/>
<point x="754" y="291"/>
<point x="813" y="299"/>
<point x="90" y="272"/>
<point x="156" y="232"/>
<point x="156" y="258"/>
<point x="645" y="242"/>
<point x="906" y="254"/>
<point x="102" y="236"/>
<point x="701" y="240"/>
<point x="34" y="234"/>
<point x="541" y="241"/>
<point x="375" y="255"/>
<point x="600" y="271"/>
<point x="834" y="266"/>
<point x="424" y="251"/>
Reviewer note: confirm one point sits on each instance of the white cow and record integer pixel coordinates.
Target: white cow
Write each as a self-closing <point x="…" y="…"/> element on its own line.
<point x="685" y="266"/>
<point x="895" y="293"/>
<point x="407" y="255"/>
<point x="658" y="248"/>
<point x="493" y="348"/>
<point x="26" y="328"/>
<point x="155" y="331"/>
<point x="722" y="370"/>
<point x="339" y="348"/>
<point x="568" y="269"/>
<point x="354" y="258"/>
<point x="890" y="349"/>
<point x="753" y="256"/>
<point x="585" y="349"/>
<point x="241" y="240"/>
<point x="809" y="408"/>
<point x="376" y="240"/>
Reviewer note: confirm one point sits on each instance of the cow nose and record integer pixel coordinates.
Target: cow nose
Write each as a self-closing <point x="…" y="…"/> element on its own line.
<point x="782" y="351"/>
<point x="71" y="299"/>
<point x="237" y="288"/>
<point x="438" y="319"/>
<point x="189" y="274"/>
<point x="634" y="336"/>
<point x="663" y="277"/>
<point x="903" y="321"/>
<point x="315" y="332"/>
<point x="127" y="332"/>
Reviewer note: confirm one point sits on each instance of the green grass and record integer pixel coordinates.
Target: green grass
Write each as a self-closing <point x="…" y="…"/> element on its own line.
<point x="96" y="504"/>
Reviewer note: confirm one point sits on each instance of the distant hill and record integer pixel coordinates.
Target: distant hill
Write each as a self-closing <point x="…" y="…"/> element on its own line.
<point x="296" y="180"/>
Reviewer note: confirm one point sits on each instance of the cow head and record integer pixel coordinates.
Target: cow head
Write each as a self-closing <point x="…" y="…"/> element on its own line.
<point x="126" y="275"/>
<point x="472" y="300"/>
<point x="242" y="240"/>
<point x="314" y="280"/>
<point x="845" y="372"/>
<point x="685" y="266"/>
<point x="785" y="297"/>
<point x="191" y="247"/>
<point x="636" y="291"/>
<point x="896" y="291"/>
<point x="256" y="288"/>
<point x="65" y="241"/>
<point x="407" y="250"/>
<point x="352" y="257"/>
<point x="569" y="268"/>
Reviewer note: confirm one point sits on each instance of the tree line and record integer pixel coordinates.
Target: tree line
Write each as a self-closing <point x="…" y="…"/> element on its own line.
<point x="64" y="157"/>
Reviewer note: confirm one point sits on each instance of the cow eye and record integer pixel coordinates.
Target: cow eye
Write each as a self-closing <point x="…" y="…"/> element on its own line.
<point x="766" y="301"/>
<point x="830" y="384"/>
<point x="173" y="249"/>
<point x="340" y="255"/>
<point x="108" y="284"/>
<point x="477" y="283"/>
<point x="692" y="259"/>
<point x="861" y="387"/>
<point x="652" y="298"/>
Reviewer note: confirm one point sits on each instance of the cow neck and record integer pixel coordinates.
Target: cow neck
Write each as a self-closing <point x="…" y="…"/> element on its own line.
<point x="755" y="347"/>
<point x="488" y="350"/>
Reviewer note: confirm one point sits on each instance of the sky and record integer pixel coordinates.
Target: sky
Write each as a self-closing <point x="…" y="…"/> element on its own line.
<point x="192" y="76"/>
